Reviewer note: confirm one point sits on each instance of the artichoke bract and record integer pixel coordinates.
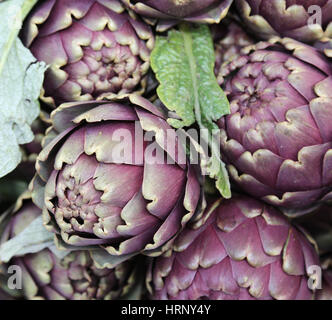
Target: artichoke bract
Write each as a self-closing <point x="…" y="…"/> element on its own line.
<point x="104" y="181"/>
<point x="171" y="11"/>
<point x="229" y="40"/>
<point x="93" y="47"/>
<point x="72" y="277"/>
<point x="302" y="20"/>
<point x="277" y="139"/>
<point x="246" y="250"/>
<point x="325" y="45"/>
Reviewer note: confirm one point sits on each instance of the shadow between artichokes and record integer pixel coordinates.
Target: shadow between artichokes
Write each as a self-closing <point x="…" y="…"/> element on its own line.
<point x="319" y="225"/>
<point x="93" y="198"/>
<point x="326" y="292"/>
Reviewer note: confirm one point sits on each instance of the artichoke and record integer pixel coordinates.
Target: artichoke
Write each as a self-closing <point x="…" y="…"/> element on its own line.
<point x="277" y="139"/>
<point x="171" y="11"/>
<point x="246" y="250"/>
<point x="127" y="196"/>
<point x="72" y="277"/>
<point x="287" y="18"/>
<point x="229" y="40"/>
<point x="93" y="47"/>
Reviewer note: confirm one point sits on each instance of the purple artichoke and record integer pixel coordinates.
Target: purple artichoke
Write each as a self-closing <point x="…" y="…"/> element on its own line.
<point x="73" y="277"/>
<point x="93" y="47"/>
<point x="287" y="18"/>
<point x="278" y="138"/>
<point x="246" y="250"/>
<point x="170" y="11"/>
<point x="229" y="40"/>
<point x="95" y="197"/>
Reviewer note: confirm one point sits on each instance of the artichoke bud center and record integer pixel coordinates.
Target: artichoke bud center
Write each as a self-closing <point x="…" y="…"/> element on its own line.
<point x="76" y="206"/>
<point x="250" y="99"/>
<point x="87" y="284"/>
<point x="106" y="70"/>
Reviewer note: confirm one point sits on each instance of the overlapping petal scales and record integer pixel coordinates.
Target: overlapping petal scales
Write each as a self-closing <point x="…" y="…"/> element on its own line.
<point x="170" y="11"/>
<point x="115" y="176"/>
<point x="277" y="139"/>
<point x="93" y="47"/>
<point x="246" y="250"/>
<point x="303" y="20"/>
<point x="74" y="276"/>
<point x="229" y="38"/>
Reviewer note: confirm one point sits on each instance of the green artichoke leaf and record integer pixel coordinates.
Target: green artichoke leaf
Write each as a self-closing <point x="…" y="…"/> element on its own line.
<point x="184" y="66"/>
<point x="183" y="62"/>
<point x="217" y="170"/>
<point x="21" y="78"/>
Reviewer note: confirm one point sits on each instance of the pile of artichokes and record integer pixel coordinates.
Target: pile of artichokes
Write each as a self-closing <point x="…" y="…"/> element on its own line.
<point x="121" y="194"/>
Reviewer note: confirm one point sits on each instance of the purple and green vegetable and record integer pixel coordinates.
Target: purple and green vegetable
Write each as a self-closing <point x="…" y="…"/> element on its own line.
<point x="166" y="149"/>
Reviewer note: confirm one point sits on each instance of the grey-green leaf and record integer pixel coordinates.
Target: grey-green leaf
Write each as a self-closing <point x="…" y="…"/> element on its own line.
<point x="104" y="260"/>
<point x="21" y="78"/>
<point x="33" y="238"/>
